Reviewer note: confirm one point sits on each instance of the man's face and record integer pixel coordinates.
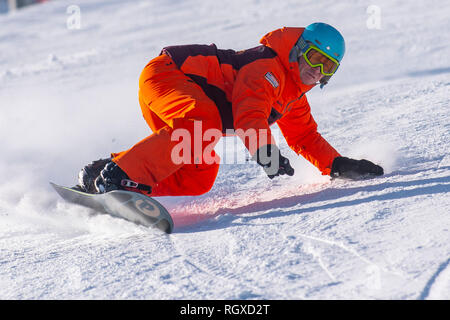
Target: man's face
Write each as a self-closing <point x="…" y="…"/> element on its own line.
<point x="309" y="75"/>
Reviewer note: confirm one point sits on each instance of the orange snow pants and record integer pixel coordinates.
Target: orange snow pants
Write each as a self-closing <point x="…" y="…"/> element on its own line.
<point x="171" y="101"/>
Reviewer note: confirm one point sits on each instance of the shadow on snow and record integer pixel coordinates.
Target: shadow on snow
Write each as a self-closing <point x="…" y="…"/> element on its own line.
<point x="272" y="208"/>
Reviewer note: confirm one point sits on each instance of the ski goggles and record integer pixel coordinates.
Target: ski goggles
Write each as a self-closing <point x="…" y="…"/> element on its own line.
<point x="315" y="57"/>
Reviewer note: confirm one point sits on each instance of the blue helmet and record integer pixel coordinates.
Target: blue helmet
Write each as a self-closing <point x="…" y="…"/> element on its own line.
<point x="324" y="37"/>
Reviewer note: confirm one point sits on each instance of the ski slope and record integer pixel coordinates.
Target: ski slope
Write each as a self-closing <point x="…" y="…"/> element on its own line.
<point x="69" y="96"/>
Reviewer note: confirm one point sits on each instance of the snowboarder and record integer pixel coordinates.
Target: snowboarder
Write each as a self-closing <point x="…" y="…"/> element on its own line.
<point x="196" y="89"/>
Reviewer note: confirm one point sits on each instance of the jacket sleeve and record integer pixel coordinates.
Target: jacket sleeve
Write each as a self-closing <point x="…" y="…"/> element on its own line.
<point x="300" y="130"/>
<point x="253" y="97"/>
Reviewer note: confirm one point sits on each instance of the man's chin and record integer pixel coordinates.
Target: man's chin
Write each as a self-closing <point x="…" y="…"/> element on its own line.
<point x="308" y="80"/>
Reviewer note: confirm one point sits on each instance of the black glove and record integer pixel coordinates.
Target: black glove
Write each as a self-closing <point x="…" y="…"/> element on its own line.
<point x="273" y="163"/>
<point x="347" y="168"/>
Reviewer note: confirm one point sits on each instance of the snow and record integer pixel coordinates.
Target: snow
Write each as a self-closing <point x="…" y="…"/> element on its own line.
<point x="69" y="96"/>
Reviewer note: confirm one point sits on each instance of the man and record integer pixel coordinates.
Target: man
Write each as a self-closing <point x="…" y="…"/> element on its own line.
<point x="196" y="89"/>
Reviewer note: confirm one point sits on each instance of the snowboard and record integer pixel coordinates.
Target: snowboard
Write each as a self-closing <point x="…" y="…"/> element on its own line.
<point x="131" y="206"/>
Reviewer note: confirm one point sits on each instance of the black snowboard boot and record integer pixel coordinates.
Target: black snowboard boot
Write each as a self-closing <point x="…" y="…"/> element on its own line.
<point x="104" y="175"/>
<point x="111" y="178"/>
<point x="89" y="173"/>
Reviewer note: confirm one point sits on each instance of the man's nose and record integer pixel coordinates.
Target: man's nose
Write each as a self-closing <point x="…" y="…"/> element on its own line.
<point x="316" y="70"/>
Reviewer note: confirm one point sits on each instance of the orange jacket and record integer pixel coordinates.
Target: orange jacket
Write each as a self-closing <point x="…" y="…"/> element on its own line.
<point x="257" y="87"/>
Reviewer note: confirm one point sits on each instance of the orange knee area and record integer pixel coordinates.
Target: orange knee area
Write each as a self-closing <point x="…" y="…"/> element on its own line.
<point x="190" y="180"/>
<point x="178" y="111"/>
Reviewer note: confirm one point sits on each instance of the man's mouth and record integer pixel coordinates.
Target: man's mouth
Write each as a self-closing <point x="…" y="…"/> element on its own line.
<point x="310" y="75"/>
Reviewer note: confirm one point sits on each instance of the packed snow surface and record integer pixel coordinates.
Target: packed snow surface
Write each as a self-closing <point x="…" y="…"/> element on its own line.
<point x="68" y="95"/>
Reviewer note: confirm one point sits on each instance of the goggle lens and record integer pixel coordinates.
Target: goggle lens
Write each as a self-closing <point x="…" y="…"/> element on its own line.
<point x="316" y="58"/>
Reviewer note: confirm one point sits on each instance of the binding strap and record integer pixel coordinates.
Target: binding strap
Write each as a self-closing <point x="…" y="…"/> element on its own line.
<point x="127" y="183"/>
